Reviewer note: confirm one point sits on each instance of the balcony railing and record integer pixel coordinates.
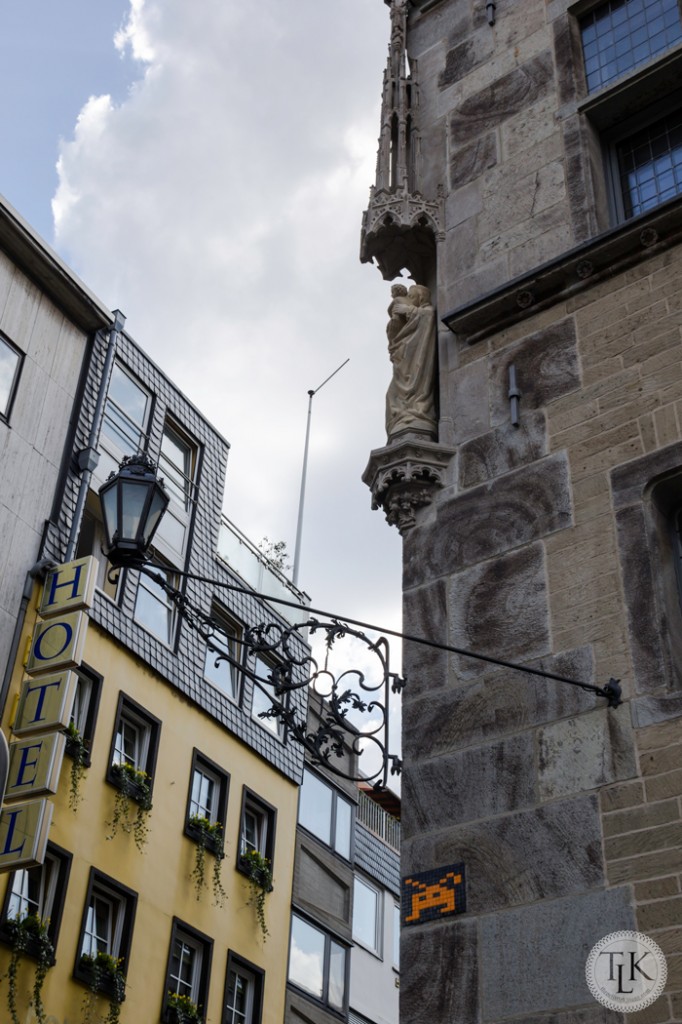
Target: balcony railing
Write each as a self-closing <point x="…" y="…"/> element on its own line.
<point x="256" y="570"/>
<point x="378" y="821"/>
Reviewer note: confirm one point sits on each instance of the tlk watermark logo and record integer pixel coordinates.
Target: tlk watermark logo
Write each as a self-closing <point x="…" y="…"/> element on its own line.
<point x="626" y="971"/>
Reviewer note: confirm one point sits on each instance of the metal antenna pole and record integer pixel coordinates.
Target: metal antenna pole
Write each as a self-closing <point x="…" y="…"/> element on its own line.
<point x="301" y="500"/>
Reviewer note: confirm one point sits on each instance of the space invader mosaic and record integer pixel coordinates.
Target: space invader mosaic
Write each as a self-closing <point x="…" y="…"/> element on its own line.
<point x="430" y="895"/>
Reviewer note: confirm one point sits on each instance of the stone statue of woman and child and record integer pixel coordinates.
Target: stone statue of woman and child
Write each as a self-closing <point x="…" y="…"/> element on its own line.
<point x="411" y="331"/>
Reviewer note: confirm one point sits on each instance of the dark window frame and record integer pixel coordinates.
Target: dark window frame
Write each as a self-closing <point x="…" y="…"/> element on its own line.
<point x="55" y="913"/>
<point x="126" y="703"/>
<point x="127" y="899"/>
<point x="6" y="413"/>
<point x="200" y="761"/>
<point x="251" y="801"/>
<point x="329" y="937"/>
<point x="235" y="627"/>
<point x="336" y="796"/>
<point x="180" y="928"/>
<point x="96" y="680"/>
<point x="236" y="962"/>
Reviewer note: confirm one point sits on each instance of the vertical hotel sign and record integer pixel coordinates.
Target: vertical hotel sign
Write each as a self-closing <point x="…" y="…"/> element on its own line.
<point x="43" y="712"/>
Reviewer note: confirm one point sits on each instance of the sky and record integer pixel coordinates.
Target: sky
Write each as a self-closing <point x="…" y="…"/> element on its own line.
<point x="203" y="167"/>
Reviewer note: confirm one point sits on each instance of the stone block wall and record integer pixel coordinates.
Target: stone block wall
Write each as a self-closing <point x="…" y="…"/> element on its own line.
<point x="546" y="547"/>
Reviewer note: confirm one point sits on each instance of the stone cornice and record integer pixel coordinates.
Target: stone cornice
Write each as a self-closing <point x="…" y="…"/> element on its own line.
<point x="576" y="270"/>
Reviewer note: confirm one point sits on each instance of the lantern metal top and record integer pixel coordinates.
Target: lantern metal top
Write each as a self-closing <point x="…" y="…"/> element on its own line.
<point x="133" y="503"/>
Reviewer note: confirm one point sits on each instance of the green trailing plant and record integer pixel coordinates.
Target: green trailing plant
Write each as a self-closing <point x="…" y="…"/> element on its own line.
<point x="78" y="752"/>
<point x="29" y="935"/>
<point x="259" y="873"/>
<point x="183" y="1010"/>
<point x="208" y="836"/>
<point x="104" y="976"/>
<point x="132" y="785"/>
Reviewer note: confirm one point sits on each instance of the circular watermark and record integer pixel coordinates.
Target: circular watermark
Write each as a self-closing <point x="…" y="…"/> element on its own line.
<point x="626" y="971"/>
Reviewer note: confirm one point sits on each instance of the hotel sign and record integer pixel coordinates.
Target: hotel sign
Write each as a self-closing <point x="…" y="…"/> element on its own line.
<point x="43" y="712"/>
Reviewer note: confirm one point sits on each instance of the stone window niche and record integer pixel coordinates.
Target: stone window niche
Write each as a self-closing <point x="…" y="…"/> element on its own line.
<point x="647" y="495"/>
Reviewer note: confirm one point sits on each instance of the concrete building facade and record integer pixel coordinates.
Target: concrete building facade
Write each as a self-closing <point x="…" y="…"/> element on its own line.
<point x="529" y="176"/>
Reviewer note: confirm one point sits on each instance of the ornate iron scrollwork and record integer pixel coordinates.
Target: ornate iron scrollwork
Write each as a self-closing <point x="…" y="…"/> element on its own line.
<point x="353" y="713"/>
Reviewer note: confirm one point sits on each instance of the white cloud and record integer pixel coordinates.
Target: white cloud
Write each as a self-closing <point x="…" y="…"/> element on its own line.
<point x="219" y="207"/>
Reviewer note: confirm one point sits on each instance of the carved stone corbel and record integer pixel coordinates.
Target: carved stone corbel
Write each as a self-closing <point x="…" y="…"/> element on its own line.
<point x="404" y="477"/>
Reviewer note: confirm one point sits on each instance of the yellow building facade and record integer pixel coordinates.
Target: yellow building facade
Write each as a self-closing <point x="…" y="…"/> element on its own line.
<point x="164" y="806"/>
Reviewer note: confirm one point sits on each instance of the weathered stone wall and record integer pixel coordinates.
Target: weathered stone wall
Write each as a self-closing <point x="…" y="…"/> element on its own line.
<point x="548" y="546"/>
<point x="501" y="133"/>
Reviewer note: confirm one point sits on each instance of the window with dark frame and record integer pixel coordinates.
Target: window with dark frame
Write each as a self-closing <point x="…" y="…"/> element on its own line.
<point x="244" y="985"/>
<point x="84" y="712"/>
<point x="178" y="466"/>
<point x="318" y="964"/>
<point x="106" y="930"/>
<point x="154" y="610"/>
<point x="125" y="423"/>
<point x="91" y="541"/>
<point x="620" y="35"/>
<point x="134" y="744"/>
<point x="640" y="128"/>
<point x="189" y="969"/>
<point x="10" y="366"/>
<point x="257" y="828"/>
<point x="261" y="702"/>
<point x="207" y="799"/>
<point x="325" y="813"/>
<point x="225" y="675"/>
<point x="39" y="891"/>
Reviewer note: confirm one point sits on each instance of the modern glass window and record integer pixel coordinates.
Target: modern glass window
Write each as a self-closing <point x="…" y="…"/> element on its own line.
<point x="223" y="674"/>
<point x="126" y="414"/>
<point x="178" y="460"/>
<point x="39" y="891"/>
<point x="367" y="915"/>
<point x="396" y="936"/>
<point x="153" y="607"/>
<point x="91" y="541"/>
<point x="243" y="992"/>
<point x="324" y="812"/>
<point x="619" y="35"/>
<point x="317" y="963"/>
<point x="189" y="966"/>
<point x="649" y="164"/>
<point x="10" y="364"/>
<point x="261" y="701"/>
<point x="107" y="925"/>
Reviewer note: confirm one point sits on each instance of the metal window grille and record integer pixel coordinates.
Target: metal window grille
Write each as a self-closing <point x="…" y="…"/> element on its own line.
<point x="619" y="35"/>
<point x="650" y="164"/>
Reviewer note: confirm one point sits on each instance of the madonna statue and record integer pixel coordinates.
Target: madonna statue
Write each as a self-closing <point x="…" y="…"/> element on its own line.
<point x="411" y="332"/>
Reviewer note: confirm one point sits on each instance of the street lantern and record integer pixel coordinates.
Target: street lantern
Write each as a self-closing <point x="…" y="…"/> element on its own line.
<point x="133" y="503"/>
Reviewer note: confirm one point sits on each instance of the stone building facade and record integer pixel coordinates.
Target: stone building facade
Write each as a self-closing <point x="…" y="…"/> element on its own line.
<point x="529" y="175"/>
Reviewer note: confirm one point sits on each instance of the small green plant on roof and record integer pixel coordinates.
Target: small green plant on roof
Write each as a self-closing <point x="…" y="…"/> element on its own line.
<point x="183" y="1010"/>
<point x="104" y="976"/>
<point x="208" y="836"/>
<point x="276" y="552"/>
<point x="77" y="751"/>
<point x="132" y="786"/>
<point x="259" y="872"/>
<point x="28" y="935"/>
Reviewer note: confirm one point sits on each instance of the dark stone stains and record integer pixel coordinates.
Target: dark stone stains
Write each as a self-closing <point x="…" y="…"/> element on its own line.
<point x="503" y="449"/>
<point x="505" y="514"/>
<point x="468" y="785"/>
<point x="469" y="161"/>
<point x="448" y="953"/>
<point x="464" y="57"/>
<point x="546" y="368"/>
<point x="500" y="608"/>
<point x="536" y="854"/>
<point x="502" y="99"/>
<point x="425" y="615"/>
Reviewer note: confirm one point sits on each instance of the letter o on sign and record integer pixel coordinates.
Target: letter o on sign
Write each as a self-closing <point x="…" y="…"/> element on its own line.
<point x="53" y="641"/>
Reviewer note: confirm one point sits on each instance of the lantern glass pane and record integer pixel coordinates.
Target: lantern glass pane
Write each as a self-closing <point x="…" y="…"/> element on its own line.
<point x="109" y="512"/>
<point x="158" y="505"/>
<point x="133" y="500"/>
